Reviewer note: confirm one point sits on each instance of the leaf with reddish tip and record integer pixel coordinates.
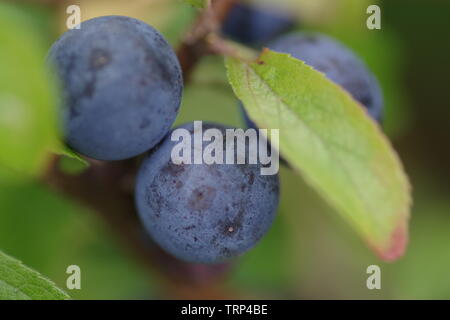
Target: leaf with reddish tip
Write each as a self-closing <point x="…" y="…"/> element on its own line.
<point x="397" y="243"/>
<point x="327" y="136"/>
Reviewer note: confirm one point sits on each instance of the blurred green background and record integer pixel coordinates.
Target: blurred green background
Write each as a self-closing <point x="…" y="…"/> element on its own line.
<point x="310" y="252"/>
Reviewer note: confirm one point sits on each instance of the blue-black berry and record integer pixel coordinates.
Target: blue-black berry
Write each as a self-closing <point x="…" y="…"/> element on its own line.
<point x="204" y="213"/>
<point x="122" y="87"/>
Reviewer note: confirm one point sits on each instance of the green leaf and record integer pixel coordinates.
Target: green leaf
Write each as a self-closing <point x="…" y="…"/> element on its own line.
<point x="200" y="4"/>
<point x="72" y="166"/>
<point x="18" y="282"/>
<point x="327" y="136"/>
<point x="69" y="153"/>
<point x="71" y="162"/>
<point x="28" y="117"/>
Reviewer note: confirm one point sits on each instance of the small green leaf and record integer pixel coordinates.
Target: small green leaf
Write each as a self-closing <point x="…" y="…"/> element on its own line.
<point x="327" y="136"/>
<point x="18" y="282"/>
<point x="200" y="4"/>
<point x="69" y="153"/>
<point x="71" y="162"/>
<point x="28" y="117"/>
<point x="72" y="166"/>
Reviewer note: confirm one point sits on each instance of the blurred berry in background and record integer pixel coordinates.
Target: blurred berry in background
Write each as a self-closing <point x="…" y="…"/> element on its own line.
<point x="255" y="25"/>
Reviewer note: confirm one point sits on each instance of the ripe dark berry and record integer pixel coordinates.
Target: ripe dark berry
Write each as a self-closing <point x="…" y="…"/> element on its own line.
<point x="204" y="213"/>
<point x="253" y="25"/>
<point x="338" y="63"/>
<point x="122" y="87"/>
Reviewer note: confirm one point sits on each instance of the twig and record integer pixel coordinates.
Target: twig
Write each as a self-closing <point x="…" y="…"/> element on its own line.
<point x="195" y="45"/>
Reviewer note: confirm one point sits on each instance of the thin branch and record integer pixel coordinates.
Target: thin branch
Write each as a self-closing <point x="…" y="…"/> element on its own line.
<point x="195" y="45"/>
